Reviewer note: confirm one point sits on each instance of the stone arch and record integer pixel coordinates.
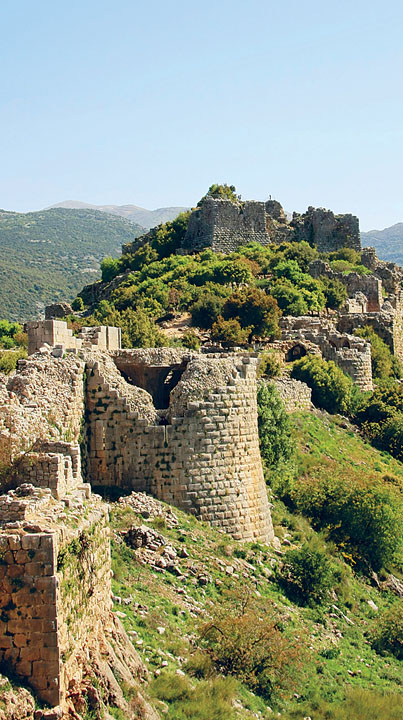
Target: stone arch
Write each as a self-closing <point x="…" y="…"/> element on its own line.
<point x="295" y="352"/>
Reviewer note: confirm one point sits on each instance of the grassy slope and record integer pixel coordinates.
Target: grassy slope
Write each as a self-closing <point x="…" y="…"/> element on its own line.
<point x="340" y="656"/>
<point x="48" y="256"/>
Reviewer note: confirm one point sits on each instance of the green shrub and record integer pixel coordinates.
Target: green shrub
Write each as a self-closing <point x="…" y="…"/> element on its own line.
<point x="383" y="362"/>
<point x="331" y="388"/>
<point x="307" y="574"/>
<point x="387" y="634"/>
<point x="243" y="639"/>
<point x="206" y="310"/>
<point x="77" y="304"/>
<point x="190" y="340"/>
<point x="9" y="359"/>
<point x="335" y="292"/>
<point x="270" y="364"/>
<point x="360" y="514"/>
<point x="110" y="267"/>
<point x="253" y="309"/>
<point x="348" y="254"/>
<point x="229" y="332"/>
<point x="276" y="446"/>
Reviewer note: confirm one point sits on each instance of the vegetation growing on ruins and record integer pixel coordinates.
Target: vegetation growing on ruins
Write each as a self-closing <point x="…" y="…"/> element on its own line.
<point x="345" y="658"/>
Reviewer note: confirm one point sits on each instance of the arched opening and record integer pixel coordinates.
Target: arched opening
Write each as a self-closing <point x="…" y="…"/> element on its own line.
<point x="295" y="352"/>
<point x="158" y="380"/>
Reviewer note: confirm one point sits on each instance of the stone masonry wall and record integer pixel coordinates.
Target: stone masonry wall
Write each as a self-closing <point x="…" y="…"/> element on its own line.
<point x="54" y="592"/>
<point x="388" y="325"/>
<point x="43" y="401"/>
<point x="295" y="395"/>
<point x="205" y="456"/>
<point x="56" y="334"/>
<point x="224" y="225"/>
<point x="352" y="354"/>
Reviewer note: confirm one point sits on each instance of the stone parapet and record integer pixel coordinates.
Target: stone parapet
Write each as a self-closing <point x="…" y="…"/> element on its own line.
<point x="55" y="334"/>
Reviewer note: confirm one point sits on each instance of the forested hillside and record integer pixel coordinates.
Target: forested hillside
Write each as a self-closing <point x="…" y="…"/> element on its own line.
<point x="49" y="255"/>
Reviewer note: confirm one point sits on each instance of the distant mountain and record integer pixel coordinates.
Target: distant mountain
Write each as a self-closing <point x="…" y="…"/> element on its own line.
<point x="49" y="255"/>
<point x="145" y="218"/>
<point x="388" y="242"/>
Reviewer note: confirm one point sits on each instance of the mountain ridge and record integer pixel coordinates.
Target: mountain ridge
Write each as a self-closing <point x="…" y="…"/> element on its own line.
<point x="48" y="255"/>
<point x="135" y="213"/>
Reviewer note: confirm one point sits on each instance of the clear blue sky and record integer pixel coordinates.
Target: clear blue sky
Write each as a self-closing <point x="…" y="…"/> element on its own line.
<point x="150" y="102"/>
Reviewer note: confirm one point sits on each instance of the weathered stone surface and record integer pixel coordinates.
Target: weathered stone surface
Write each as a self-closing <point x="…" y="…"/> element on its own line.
<point x="200" y="453"/>
<point x="223" y="225"/>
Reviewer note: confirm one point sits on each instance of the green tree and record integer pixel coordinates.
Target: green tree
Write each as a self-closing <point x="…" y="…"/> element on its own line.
<point x="77" y="304"/>
<point x="276" y="447"/>
<point x="254" y="309"/>
<point x="229" y="332"/>
<point x="206" y="310"/>
<point x="307" y="574"/>
<point x="381" y="357"/>
<point x="335" y="292"/>
<point x="331" y="388"/>
<point x="110" y="267"/>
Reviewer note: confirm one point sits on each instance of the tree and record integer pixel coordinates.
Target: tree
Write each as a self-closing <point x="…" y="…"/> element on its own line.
<point x="229" y="332"/>
<point x="110" y="267"/>
<point x="335" y="292"/>
<point x="254" y="309"/>
<point x="331" y="388"/>
<point x="168" y="237"/>
<point x="276" y="445"/>
<point x="206" y="310"/>
<point x="78" y="304"/>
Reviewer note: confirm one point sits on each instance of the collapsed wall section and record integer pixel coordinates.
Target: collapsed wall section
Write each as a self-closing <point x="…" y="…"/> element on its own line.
<point x="201" y="453"/>
<point x="43" y="401"/>
<point x="350" y="353"/>
<point x="54" y="587"/>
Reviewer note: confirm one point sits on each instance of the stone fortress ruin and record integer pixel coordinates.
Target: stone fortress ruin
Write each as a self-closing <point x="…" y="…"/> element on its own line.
<point x="179" y="425"/>
<point x="81" y="413"/>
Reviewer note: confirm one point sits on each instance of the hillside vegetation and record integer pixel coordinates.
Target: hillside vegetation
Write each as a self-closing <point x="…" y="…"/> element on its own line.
<point x="220" y="626"/>
<point x="48" y="256"/>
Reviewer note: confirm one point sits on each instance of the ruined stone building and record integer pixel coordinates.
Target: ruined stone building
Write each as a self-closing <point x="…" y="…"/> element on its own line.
<point x="177" y="424"/>
<point x="223" y="226"/>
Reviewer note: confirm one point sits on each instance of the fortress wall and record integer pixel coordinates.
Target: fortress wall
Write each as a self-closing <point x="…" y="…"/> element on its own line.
<point x="389" y="327"/>
<point x="224" y="225"/>
<point x="205" y="457"/>
<point x="350" y="353"/>
<point x="296" y="395"/>
<point x="43" y="401"/>
<point x="55" y="595"/>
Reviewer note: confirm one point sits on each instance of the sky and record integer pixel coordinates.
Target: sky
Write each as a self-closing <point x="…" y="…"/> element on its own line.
<point x="151" y="102"/>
